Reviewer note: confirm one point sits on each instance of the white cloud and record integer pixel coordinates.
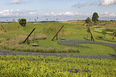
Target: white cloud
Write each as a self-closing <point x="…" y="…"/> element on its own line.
<point x="99" y="2"/>
<point x="15" y="2"/>
<point x="16" y="14"/>
<point x="113" y="15"/>
<point x="32" y="13"/>
<point x="107" y="2"/>
<point x="79" y="5"/>
<point x="107" y="15"/>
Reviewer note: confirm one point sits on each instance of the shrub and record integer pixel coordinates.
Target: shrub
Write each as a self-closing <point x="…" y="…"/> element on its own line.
<point x="110" y="30"/>
<point x="114" y="33"/>
<point x="104" y="38"/>
<point x="104" y="32"/>
<point x="22" y="22"/>
<point x="99" y="37"/>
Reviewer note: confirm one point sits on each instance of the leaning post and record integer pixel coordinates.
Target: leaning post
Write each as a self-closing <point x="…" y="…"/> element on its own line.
<point x="29" y="35"/>
<point x="57" y="33"/>
<point x="91" y="35"/>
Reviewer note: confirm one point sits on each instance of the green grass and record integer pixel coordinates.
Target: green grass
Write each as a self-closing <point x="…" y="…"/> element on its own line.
<point x="15" y="66"/>
<point x="96" y="49"/>
<point x="71" y="31"/>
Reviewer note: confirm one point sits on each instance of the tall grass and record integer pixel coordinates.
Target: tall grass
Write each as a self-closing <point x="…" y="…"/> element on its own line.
<point x="48" y="66"/>
<point x="16" y="45"/>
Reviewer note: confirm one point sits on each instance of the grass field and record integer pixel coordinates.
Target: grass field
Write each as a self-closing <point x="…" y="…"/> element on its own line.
<point x="73" y="30"/>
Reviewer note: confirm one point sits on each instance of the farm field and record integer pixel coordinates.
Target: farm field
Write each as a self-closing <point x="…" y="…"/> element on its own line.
<point x="54" y="58"/>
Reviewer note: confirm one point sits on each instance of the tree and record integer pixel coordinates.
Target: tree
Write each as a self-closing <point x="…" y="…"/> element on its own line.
<point x="18" y="19"/>
<point x="104" y="32"/>
<point x="46" y="19"/>
<point x="35" y="20"/>
<point x="22" y="22"/>
<point x="95" y="17"/>
<point x="13" y="20"/>
<point x="88" y="20"/>
<point x="114" y="33"/>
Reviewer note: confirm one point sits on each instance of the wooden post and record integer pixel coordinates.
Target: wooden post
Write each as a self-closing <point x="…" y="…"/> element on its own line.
<point x="57" y="33"/>
<point x="27" y="40"/>
<point x="91" y="38"/>
<point x="57" y="37"/>
<point x="29" y="35"/>
<point x="91" y="35"/>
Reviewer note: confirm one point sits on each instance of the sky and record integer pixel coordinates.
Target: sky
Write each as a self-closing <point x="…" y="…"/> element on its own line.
<point x="56" y="10"/>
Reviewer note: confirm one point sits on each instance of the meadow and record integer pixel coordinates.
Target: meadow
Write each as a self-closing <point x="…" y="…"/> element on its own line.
<point x="58" y="58"/>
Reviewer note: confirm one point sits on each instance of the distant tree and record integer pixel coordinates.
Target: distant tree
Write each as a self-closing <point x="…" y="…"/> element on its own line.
<point x="95" y="17"/>
<point x="18" y="19"/>
<point x="88" y="21"/>
<point x="46" y="19"/>
<point x="35" y="20"/>
<point x="104" y="32"/>
<point x="56" y="19"/>
<point x="13" y="20"/>
<point x="22" y="22"/>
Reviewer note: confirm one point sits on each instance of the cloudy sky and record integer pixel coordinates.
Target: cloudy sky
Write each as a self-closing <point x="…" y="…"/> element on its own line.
<point x="62" y="10"/>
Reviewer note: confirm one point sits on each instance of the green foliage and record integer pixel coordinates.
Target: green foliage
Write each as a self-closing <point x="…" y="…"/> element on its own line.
<point x="111" y="30"/>
<point x="88" y="20"/>
<point x="99" y="37"/>
<point x="95" y="17"/>
<point x="101" y="21"/>
<point x="22" y="22"/>
<point x="105" y="39"/>
<point x="100" y="30"/>
<point x="104" y="32"/>
<point x="50" y="66"/>
<point x="114" y="33"/>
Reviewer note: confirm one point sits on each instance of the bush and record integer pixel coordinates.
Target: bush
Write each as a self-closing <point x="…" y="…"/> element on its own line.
<point x="22" y="22"/>
<point x="114" y="33"/>
<point x="99" y="37"/>
<point x="104" y="32"/>
<point x="104" y="38"/>
<point x="110" y="30"/>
